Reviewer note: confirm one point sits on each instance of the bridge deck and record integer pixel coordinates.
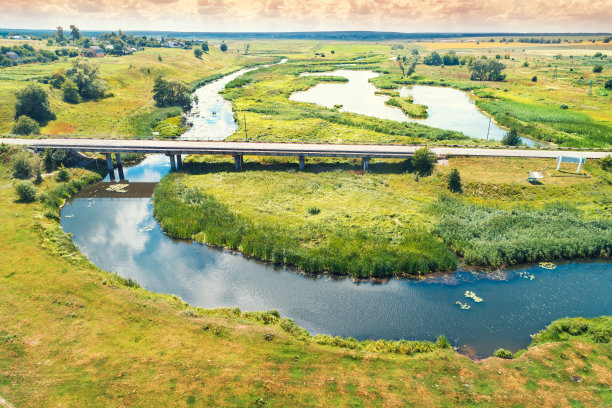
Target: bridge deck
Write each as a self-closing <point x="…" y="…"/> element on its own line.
<point x="176" y="147"/>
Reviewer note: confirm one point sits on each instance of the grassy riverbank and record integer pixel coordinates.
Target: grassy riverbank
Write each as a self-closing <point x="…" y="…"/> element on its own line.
<point x="334" y="218"/>
<point x="73" y="335"/>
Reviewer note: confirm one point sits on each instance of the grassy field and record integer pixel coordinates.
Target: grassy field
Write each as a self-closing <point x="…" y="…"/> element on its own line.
<point x="344" y="221"/>
<point x="73" y="335"/>
<point x="131" y="110"/>
<point x="556" y="109"/>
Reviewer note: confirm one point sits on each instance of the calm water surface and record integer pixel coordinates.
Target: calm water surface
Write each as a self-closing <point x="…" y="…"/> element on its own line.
<point x="122" y="236"/>
<point x="448" y="108"/>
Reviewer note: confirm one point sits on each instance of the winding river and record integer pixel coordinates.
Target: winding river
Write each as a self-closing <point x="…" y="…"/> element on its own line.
<point x="118" y="233"/>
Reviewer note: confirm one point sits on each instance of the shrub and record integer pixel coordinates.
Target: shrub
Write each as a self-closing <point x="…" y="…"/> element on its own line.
<point x="608" y="84"/>
<point x="454" y="181"/>
<point x="502" y="353"/>
<point x="62" y="175"/>
<point x="606" y="162"/>
<point x="597" y="69"/>
<point x="22" y="165"/>
<point x="26" y="126"/>
<point x="564" y="106"/>
<point x="314" y="210"/>
<point x="26" y="191"/>
<point x="70" y="92"/>
<point x="423" y="161"/>
<point x="512" y="138"/>
<point x="534" y="78"/>
<point x="33" y="101"/>
<point x="442" y="342"/>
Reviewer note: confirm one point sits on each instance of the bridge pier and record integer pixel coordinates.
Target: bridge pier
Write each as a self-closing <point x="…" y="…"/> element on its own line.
<point x="365" y="163"/>
<point x="179" y="161"/>
<point x="301" y="163"/>
<point x="119" y="166"/>
<point x="238" y="161"/>
<point x="109" y="164"/>
<point x="172" y="162"/>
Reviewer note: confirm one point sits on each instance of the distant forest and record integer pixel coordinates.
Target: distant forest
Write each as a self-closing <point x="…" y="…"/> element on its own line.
<point x="314" y="35"/>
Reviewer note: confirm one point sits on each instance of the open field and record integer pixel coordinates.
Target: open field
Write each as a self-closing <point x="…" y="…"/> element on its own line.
<point x="73" y="335"/>
<point x="334" y="218"/>
<point x="564" y="73"/>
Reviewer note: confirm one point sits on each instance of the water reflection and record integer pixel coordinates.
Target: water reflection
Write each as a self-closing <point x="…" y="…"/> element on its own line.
<point x="121" y="235"/>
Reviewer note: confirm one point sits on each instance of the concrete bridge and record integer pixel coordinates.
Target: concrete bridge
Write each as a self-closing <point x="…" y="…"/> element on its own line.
<point x="174" y="149"/>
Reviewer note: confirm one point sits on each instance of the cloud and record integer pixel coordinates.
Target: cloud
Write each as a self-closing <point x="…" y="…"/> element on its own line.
<point x="297" y="15"/>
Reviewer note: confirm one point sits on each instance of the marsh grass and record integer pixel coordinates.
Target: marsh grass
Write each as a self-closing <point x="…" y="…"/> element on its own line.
<point x="191" y="213"/>
<point x="491" y="237"/>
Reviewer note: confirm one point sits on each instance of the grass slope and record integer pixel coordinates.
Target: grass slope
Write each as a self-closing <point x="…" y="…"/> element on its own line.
<point x="73" y="335"/>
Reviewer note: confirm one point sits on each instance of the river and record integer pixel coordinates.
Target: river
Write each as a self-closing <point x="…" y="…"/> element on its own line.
<point x="118" y="233"/>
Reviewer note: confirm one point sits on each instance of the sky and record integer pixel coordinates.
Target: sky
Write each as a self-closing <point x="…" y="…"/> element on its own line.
<point x="312" y="15"/>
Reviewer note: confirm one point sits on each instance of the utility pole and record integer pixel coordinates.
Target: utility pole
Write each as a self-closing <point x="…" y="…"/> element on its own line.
<point x="489" y="128"/>
<point x="591" y="88"/>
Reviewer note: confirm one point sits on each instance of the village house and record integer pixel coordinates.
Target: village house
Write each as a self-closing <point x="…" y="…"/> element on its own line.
<point x="93" y="52"/>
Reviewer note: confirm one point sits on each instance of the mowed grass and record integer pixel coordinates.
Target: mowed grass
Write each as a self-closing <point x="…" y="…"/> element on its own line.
<point x="73" y="335"/>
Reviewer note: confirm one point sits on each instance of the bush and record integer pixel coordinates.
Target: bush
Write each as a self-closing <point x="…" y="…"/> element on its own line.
<point x="442" y="342"/>
<point x="608" y="84"/>
<point x="62" y="175"/>
<point x="33" y="102"/>
<point x="454" y="181"/>
<point x="314" y="210"/>
<point x="606" y="162"/>
<point x="423" y="161"/>
<point x="534" y="78"/>
<point x="70" y="92"/>
<point x="502" y="353"/>
<point x="26" y="191"/>
<point x="26" y="126"/>
<point x="597" y="69"/>
<point x="512" y="138"/>
<point x="22" y="165"/>
<point x="564" y="106"/>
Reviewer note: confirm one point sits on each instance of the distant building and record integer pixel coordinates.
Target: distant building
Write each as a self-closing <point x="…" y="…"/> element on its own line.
<point x="109" y="47"/>
<point x="93" y="52"/>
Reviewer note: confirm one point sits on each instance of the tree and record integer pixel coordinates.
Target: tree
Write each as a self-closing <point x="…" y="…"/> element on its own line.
<point x="454" y="181"/>
<point x="159" y="57"/>
<point x="59" y="34"/>
<point x="433" y="59"/>
<point x="197" y="52"/>
<point x="487" y="70"/>
<point x="223" y="47"/>
<point x="423" y="161"/>
<point x="75" y="33"/>
<point x="205" y="46"/>
<point x="87" y="79"/>
<point x="597" y="69"/>
<point x="450" y="58"/>
<point x="26" y="191"/>
<point x="70" y="91"/>
<point x="608" y="84"/>
<point x="33" y="101"/>
<point x="26" y="126"/>
<point x="512" y="138"/>
<point x="171" y="93"/>
<point x="246" y="49"/>
<point x="534" y="78"/>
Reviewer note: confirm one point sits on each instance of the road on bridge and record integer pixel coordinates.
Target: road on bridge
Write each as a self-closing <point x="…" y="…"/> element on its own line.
<point x="178" y="147"/>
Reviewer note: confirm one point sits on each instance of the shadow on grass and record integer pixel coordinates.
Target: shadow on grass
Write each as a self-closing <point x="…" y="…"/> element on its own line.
<point x="321" y="167"/>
